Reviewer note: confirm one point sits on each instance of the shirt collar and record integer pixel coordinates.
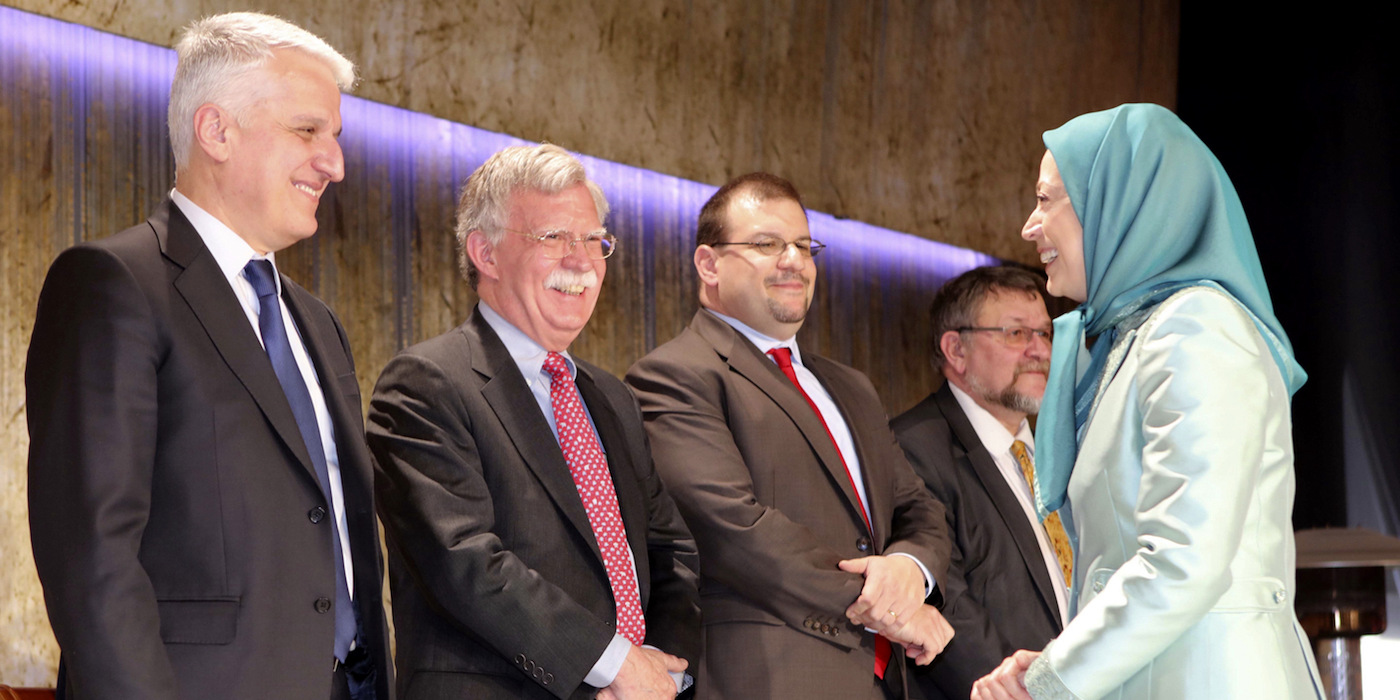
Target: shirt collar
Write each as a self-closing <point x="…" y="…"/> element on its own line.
<point x="990" y="431"/>
<point x="230" y="251"/>
<point x="762" y="342"/>
<point x="529" y="356"/>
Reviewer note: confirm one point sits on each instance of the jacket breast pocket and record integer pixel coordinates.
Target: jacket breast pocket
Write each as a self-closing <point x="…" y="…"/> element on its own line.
<point x="201" y="621"/>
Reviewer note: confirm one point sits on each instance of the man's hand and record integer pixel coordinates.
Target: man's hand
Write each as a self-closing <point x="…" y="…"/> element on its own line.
<point x="645" y="673"/>
<point x="894" y="590"/>
<point x="1007" y="681"/>
<point x="924" y="634"/>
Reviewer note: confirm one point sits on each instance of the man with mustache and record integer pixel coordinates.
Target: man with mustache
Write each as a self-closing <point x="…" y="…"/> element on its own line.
<point x="532" y="550"/>
<point x="818" y="544"/>
<point x="972" y="444"/>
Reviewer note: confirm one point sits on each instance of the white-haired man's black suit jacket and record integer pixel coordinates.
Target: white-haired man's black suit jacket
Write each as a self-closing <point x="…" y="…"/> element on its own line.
<point x="499" y="587"/>
<point x="998" y="595"/>
<point x="178" y="526"/>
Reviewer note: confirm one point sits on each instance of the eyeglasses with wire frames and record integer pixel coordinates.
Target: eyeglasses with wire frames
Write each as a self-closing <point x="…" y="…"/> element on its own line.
<point x="771" y="247"/>
<point x="558" y="245"/>
<point x="1013" y="336"/>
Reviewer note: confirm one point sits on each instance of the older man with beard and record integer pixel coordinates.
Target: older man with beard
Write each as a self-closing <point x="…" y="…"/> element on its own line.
<point x="972" y="444"/>
<point x="532" y="550"/>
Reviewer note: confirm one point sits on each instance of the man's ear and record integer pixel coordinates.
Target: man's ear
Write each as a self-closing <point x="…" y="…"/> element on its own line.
<point x="213" y="129"/>
<point x="482" y="254"/>
<point x="954" y="351"/>
<point x="707" y="265"/>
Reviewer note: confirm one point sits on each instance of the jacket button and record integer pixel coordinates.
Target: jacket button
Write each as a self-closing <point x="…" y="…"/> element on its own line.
<point x="826" y="629"/>
<point x="1280" y="596"/>
<point x="548" y="678"/>
<point x="539" y="673"/>
<point x="323" y="605"/>
<point x="529" y="665"/>
<point x="316" y="515"/>
<point x="1098" y="586"/>
<point x="519" y="659"/>
<point x="863" y="544"/>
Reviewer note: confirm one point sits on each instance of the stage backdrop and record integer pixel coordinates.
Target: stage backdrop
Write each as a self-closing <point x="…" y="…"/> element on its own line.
<point x="83" y="134"/>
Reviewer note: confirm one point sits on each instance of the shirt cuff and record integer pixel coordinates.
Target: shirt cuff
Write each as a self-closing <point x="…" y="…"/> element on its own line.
<point x="929" y="583"/>
<point x="604" y="672"/>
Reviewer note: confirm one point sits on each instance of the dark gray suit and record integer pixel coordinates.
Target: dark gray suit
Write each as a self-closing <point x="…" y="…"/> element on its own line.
<point x="499" y="587"/>
<point x="998" y="593"/>
<point x="178" y="528"/>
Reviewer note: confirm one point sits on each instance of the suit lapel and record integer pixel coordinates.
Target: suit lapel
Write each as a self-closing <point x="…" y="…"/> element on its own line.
<point x="509" y="396"/>
<point x="876" y="506"/>
<point x="205" y="289"/>
<point x="745" y="359"/>
<point x="1005" y="501"/>
<point x="630" y="501"/>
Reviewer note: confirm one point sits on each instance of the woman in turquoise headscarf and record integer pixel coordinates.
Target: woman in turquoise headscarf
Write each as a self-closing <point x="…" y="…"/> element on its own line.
<point x="1167" y="441"/>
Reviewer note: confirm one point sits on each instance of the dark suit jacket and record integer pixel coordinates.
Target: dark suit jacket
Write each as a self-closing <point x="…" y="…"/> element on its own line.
<point x="169" y="487"/>
<point x="499" y="587"/>
<point x="998" y="594"/>
<point x="767" y="496"/>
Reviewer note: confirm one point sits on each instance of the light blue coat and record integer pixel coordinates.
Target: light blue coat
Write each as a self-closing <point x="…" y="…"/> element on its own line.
<point x="1181" y="498"/>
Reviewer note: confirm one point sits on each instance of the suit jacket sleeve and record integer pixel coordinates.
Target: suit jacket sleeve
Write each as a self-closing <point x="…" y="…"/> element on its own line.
<point x="978" y="647"/>
<point x="748" y="546"/>
<point x="91" y="395"/>
<point x="438" y="512"/>
<point x="1204" y="375"/>
<point x="673" y="608"/>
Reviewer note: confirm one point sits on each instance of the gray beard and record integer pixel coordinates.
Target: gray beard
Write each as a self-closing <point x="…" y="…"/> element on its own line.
<point x="1007" y="398"/>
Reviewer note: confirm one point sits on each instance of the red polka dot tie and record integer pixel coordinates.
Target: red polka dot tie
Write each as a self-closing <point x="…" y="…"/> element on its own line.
<point x="589" y="468"/>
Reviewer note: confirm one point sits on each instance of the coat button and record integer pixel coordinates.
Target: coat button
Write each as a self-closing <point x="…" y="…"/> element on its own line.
<point x="529" y="665"/>
<point x="323" y="605"/>
<point x="863" y="544"/>
<point x="1280" y="595"/>
<point x="548" y="678"/>
<point x="539" y="673"/>
<point x="1098" y="586"/>
<point x="519" y="659"/>
<point x="316" y="515"/>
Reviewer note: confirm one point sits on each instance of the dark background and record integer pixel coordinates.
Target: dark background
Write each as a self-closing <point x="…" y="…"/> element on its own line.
<point x="1302" y="111"/>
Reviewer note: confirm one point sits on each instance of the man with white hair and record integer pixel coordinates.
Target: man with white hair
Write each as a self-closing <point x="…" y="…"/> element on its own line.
<point x="532" y="550"/>
<point x="199" y="489"/>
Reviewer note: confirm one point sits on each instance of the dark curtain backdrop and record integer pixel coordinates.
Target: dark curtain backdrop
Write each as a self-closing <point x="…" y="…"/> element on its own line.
<point x="1302" y="108"/>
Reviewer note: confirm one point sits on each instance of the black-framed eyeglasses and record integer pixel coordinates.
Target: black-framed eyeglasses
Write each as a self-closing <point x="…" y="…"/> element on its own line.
<point x="558" y="245"/>
<point x="772" y="247"/>
<point x="1013" y="336"/>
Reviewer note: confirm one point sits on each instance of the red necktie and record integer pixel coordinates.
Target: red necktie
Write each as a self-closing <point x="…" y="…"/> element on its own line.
<point x="589" y="468"/>
<point x="784" y="358"/>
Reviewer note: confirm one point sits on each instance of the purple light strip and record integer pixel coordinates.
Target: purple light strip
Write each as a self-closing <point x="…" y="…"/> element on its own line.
<point x="641" y="197"/>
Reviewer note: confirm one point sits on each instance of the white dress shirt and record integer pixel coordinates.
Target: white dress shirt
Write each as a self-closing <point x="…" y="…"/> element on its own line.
<point x="998" y="440"/>
<point x="232" y="254"/>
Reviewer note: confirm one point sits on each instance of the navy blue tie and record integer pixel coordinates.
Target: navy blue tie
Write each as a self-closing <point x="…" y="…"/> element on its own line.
<point x="279" y="350"/>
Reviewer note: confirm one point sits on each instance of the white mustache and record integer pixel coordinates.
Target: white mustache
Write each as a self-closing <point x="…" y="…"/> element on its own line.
<point x="562" y="279"/>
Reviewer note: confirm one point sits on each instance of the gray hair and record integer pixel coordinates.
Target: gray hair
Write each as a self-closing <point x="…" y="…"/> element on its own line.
<point x="485" y="201"/>
<point x="958" y="301"/>
<point x="216" y="58"/>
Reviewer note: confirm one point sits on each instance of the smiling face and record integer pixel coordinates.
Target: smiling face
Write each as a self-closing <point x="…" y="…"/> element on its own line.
<point x="277" y="158"/>
<point x="770" y="294"/>
<point x="548" y="300"/>
<point x="1008" y="382"/>
<point x="1058" y="236"/>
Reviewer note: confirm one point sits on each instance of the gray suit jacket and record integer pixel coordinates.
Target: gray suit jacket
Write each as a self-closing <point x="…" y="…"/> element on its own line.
<point x="765" y="492"/>
<point x="498" y="584"/>
<point x="177" y="524"/>
<point x="998" y="593"/>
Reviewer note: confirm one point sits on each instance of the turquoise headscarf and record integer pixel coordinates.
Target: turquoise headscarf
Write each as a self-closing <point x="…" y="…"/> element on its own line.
<point x="1159" y="214"/>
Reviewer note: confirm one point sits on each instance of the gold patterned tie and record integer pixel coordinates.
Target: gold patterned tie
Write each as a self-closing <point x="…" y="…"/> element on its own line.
<point x="1053" y="527"/>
